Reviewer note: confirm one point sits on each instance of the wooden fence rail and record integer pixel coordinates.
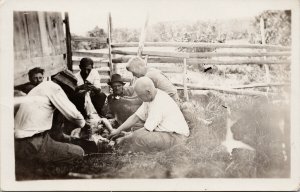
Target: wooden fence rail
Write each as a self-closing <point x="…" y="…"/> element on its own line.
<point x="203" y="45"/>
<point x="233" y="54"/>
<point x="227" y="90"/>
<point x="89" y="54"/>
<point x="239" y="62"/>
<point x="93" y="39"/>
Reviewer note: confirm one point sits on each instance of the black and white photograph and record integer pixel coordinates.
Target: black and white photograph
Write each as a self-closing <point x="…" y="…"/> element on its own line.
<point x="150" y="95"/>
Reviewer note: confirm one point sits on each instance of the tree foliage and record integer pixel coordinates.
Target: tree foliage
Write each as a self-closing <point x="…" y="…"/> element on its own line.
<point x="277" y="28"/>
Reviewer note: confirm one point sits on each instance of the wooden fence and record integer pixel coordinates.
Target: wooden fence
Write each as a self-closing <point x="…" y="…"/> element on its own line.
<point x="261" y="54"/>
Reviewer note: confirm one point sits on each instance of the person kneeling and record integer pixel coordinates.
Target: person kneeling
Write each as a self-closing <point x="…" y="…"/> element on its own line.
<point x="164" y="125"/>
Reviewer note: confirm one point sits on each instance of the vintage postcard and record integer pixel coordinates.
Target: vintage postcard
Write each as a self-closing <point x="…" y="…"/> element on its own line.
<point x="150" y="95"/>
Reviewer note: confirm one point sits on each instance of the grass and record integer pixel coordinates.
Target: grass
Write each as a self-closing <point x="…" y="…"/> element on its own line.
<point x="258" y="122"/>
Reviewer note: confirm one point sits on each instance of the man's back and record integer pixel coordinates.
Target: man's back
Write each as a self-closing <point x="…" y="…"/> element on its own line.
<point x="162" y="82"/>
<point x="36" y="115"/>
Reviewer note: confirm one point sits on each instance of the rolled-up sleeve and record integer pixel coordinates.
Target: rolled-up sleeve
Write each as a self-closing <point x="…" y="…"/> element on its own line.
<point x="141" y="112"/>
<point x="154" y="118"/>
<point x="60" y="100"/>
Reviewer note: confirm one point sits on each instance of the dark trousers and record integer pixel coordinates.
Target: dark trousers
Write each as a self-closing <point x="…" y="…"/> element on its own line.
<point x="98" y="99"/>
<point x="43" y="148"/>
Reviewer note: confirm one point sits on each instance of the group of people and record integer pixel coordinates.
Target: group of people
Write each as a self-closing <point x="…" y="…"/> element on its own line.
<point x="63" y="100"/>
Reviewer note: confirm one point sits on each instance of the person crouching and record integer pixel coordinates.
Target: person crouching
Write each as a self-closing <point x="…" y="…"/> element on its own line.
<point x="164" y="125"/>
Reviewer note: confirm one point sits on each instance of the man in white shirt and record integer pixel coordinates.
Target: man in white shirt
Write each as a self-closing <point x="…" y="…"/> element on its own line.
<point x="88" y="79"/>
<point x="34" y="120"/>
<point x="164" y="124"/>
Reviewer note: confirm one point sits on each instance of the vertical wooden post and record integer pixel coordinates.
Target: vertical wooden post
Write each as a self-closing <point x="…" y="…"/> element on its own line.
<point x="109" y="41"/>
<point x="68" y="42"/>
<point x="185" y="91"/>
<point x="143" y="37"/>
<point x="263" y="40"/>
<point x="146" y="59"/>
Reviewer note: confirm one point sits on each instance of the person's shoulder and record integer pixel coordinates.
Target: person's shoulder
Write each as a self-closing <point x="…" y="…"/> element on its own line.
<point x="48" y="85"/>
<point x="153" y="71"/>
<point x="77" y="75"/>
<point x="128" y="90"/>
<point x="163" y="96"/>
<point x="94" y="72"/>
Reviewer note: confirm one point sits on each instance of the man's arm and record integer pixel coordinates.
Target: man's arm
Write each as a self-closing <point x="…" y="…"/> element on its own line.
<point x="60" y="100"/>
<point x="133" y="119"/>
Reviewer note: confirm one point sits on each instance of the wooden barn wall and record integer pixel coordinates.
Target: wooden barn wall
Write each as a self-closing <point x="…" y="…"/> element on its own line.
<point x="39" y="41"/>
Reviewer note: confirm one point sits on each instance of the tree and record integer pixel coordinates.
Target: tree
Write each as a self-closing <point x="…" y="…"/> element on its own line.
<point x="277" y="27"/>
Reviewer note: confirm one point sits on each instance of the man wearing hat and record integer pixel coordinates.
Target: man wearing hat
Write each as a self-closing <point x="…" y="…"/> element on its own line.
<point x="34" y="120"/>
<point x="88" y="79"/>
<point x="123" y="102"/>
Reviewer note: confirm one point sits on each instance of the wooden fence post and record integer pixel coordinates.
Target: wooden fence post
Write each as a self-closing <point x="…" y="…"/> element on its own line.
<point x="146" y="59"/>
<point x="263" y="40"/>
<point x="109" y="41"/>
<point x="68" y="42"/>
<point x="185" y="91"/>
<point x="143" y="37"/>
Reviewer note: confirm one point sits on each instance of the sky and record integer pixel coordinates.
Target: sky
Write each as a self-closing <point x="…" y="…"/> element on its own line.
<point x="132" y="13"/>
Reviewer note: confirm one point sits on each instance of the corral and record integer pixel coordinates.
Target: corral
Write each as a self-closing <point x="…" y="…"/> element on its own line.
<point x="242" y="89"/>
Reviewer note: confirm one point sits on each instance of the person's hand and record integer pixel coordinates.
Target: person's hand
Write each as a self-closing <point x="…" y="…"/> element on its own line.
<point x="113" y="134"/>
<point x="93" y="88"/>
<point x="86" y="131"/>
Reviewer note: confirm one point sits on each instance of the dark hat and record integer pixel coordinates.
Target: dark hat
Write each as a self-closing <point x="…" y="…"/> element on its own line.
<point x="115" y="78"/>
<point x="66" y="77"/>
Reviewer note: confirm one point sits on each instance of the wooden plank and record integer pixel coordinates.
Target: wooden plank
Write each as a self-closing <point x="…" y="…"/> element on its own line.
<point x="226" y="90"/>
<point x="51" y="64"/>
<point x="46" y="46"/>
<point x="89" y="54"/>
<point x="204" y="45"/>
<point x="97" y="64"/>
<point x="195" y="55"/>
<point x="143" y="37"/>
<point x="153" y="53"/>
<point x="169" y="70"/>
<point x="21" y="42"/>
<point x="263" y="40"/>
<point x="239" y="62"/>
<point x="90" y="39"/>
<point x="124" y="59"/>
<point x="204" y="61"/>
<point x="184" y="76"/>
<point x="34" y="35"/>
<point x="260" y="85"/>
<point x="220" y="54"/>
<point x="109" y="41"/>
<point x="54" y="27"/>
<point x="68" y="42"/>
<point x="106" y="78"/>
